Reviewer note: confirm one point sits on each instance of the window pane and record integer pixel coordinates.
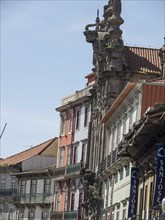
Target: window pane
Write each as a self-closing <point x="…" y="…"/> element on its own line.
<point x="86" y="116"/>
<point x="78" y="119"/>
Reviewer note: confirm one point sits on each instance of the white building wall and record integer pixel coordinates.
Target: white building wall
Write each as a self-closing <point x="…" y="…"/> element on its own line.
<point x="120" y="123"/>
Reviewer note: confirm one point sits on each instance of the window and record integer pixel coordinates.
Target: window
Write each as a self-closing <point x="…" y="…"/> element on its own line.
<point x="61" y="156"/>
<point x="86" y="116"/>
<point x="11" y="214"/>
<point x="84" y="149"/>
<point x="80" y="204"/>
<point x="68" y="155"/>
<point x="13" y="185"/>
<point x="1" y="214"/>
<point x="72" y="201"/>
<point x="65" y="201"/>
<point x="3" y="183"/>
<point x="23" y="187"/>
<point x="31" y="215"/>
<point x="70" y="121"/>
<point x="58" y="202"/>
<point x="127" y="171"/>
<point x="75" y="154"/>
<point x="121" y="173"/>
<point x="117" y="216"/>
<point x="78" y="119"/>
<point x="63" y="122"/>
<point x="116" y="177"/>
<point x="124" y="214"/>
<point x="44" y="215"/>
<point x="47" y="185"/>
<point x="33" y="188"/>
<point x="20" y="215"/>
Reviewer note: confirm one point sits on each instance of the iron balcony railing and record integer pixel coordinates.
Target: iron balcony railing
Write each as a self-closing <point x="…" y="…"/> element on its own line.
<point x="56" y="215"/>
<point x="57" y="172"/>
<point x="7" y="192"/>
<point x="38" y="198"/>
<point x="108" y="162"/>
<point x="66" y="215"/>
<point x="73" y="169"/>
<point x="71" y="215"/>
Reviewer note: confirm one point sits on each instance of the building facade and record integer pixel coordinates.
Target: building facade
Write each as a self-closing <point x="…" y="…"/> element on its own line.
<point x="26" y="185"/>
<point x="75" y="115"/>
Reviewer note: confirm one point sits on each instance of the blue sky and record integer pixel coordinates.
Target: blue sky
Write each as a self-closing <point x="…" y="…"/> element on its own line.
<point x="44" y="57"/>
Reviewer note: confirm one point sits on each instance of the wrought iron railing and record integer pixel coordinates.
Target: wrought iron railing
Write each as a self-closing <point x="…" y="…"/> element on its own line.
<point x="73" y="169"/>
<point x="7" y="192"/>
<point x="56" y="172"/>
<point x="108" y="162"/>
<point x="56" y="215"/>
<point x="71" y="215"/>
<point x="33" y="199"/>
<point x="66" y="215"/>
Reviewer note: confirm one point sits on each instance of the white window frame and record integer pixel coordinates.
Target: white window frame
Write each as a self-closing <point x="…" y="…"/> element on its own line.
<point x="61" y="157"/>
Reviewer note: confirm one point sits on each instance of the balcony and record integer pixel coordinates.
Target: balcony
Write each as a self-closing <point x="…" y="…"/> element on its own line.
<point x="108" y="163"/>
<point x="36" y="199"/>
<point x="56" y="215"/>
<point x="57" y="173"/>
<point x="7" y="192"/>
<point x="73" y="170"/>
<point x="71" y="215"/>
<point x="66" y="215"/>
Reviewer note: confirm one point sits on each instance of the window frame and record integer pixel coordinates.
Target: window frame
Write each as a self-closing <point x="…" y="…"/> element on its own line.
<point x="86" y="115"/>
<point x="47" y="186"/>
<point x="78" y="114"/>
<point x="63" y="124"/>
<point x="33" y="187"/>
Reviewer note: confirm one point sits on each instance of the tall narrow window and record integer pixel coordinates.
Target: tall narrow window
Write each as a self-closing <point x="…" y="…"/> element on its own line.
<point x="31" y="215"/>
<point x="86" y="116"/>
<point x="84" y="149"/>
<point x="127" y="170"/>
<point x="72" y="201"/>
<point x="68" y="155"/>
<point x="1" y="214"/>
<point x="61" y="161"/>
<point x="44" y="216"/>
<point x="63" y="122"/>
<point x="75" y="154"/>
<point x="78" y="119"/>
<point x="13" y="185"/>
<point x="20" y="215"/>
<point x="80" y="204"/>
<point x="65" y="201"/>
<point x="58" y="200"/>
<point x="3" y="183"/>
<point x="117" y="216"/>
<point x="23" y="187"/>
<point x="11" y="214"/>
<point x="70" y="121"/>
<point x="33" y="186"/>
<point x="124" y="214"/>
<point x="47" y="185"/>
